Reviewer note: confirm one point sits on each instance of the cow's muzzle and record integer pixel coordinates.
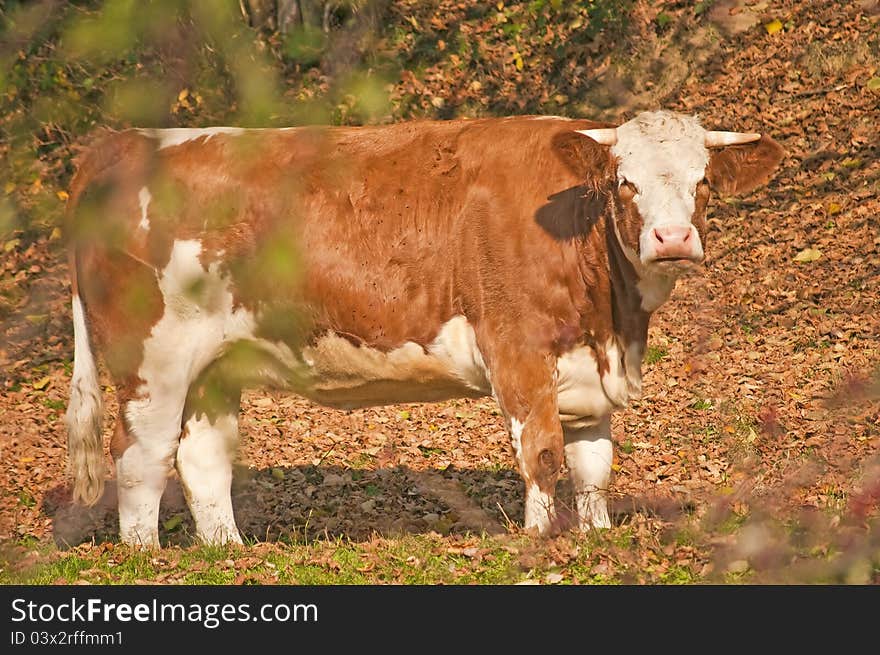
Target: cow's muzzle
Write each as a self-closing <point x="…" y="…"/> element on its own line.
<point x="672" y="243"/>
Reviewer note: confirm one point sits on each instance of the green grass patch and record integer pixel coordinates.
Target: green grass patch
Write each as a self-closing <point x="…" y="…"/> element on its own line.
<point x="412" y="559"/>
<point x="654" y="354"/>
<point x="701" y="403"/>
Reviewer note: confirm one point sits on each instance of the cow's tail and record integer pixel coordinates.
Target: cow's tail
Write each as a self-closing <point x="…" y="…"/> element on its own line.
<point x="84" y="418"/>
<point x="85" y="447"/>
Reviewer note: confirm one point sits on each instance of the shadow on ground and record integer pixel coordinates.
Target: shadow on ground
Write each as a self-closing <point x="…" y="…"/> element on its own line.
<point x="329" y="502"/>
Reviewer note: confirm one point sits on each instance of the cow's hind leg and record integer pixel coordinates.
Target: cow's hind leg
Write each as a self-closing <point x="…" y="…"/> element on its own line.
<point x="588" y="454"/>
<point x="144" y="445"/>
<point x="204" y="458"/>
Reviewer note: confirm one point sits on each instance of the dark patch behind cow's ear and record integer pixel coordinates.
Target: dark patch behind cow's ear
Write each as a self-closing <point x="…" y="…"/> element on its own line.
<point x="584" y="157"/>
<point x="739" y="169"/>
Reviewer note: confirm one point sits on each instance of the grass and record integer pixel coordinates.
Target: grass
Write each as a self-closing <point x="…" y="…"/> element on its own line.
<point x="408" y="560"/>
<point x="639" y="550"/>
<point x="425" y="559"/>
<point x="654" y="354"/>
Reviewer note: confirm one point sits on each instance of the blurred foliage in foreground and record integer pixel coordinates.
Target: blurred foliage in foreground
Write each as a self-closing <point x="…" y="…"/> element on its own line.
<point x="67" y="67"/>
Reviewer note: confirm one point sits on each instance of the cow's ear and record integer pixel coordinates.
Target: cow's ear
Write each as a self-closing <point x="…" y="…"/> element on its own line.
<point x="739" y="169"/>
<point x="583" y="156"/>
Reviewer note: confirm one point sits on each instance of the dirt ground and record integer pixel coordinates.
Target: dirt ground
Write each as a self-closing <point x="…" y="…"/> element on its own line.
<point x="762" y="384"/>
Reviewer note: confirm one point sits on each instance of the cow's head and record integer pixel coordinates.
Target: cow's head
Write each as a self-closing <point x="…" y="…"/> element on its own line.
<point x="666" y="164"/>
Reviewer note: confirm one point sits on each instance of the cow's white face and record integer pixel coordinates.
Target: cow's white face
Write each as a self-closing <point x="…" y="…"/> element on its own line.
<point x="662" y="161"/>
<point x="663" y="166"/>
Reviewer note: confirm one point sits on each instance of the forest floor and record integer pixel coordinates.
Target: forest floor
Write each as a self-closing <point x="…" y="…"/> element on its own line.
<point x="754" y="455"/>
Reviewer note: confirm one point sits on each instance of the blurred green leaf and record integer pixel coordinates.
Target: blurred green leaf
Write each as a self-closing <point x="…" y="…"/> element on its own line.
<point x="305" y="45"/>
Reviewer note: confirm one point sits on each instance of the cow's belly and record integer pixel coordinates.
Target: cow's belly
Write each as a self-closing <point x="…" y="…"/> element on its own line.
<point x="341" y="374"/>
<point x="585" y="396"/>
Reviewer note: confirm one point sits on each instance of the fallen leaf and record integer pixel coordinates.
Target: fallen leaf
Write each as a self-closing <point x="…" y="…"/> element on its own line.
<point x="807" y="255"/>
<point x="173" y="523"/>
<point x="42" y="383"/>
<point x="773" y="26"/>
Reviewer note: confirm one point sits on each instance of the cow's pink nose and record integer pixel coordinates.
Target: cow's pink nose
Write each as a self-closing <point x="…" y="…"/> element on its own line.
<point x="674" y="242"/>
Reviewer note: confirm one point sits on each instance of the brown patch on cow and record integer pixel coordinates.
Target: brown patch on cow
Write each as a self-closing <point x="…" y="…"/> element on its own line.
<point x="590" y="162"/>
<point x="629" y="219"/>
<point x="701" y="204"/>
<point x="629" y="319"/>
<point x="567" y="338"/>
<point x="122" y="301"/>
<point x="739" y="169"/>
<point x="527" y="392"/>
<point x="122" y="437"/>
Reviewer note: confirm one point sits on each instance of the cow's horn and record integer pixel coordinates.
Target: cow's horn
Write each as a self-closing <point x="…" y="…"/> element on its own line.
<point x="607" y="136"/>
<point x="717" y="139"/>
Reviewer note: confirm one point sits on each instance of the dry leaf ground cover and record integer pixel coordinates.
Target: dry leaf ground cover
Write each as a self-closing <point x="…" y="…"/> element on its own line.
<point x="752" y="458"/>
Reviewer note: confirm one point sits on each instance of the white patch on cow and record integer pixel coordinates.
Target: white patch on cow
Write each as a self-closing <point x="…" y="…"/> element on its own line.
<point x="343" y="374"/>
<point x="584" y="395"/>
<point x="141" y="474"/>
<point x="551" y="118"/>
<point x="204" y="462"/>
<point x="198" y="319"/>
<point x="144" y="197"/>
<point x="664" y="155"/>
<point x="655" y="289"/>
<point x="588" y="455"/>
<point x="456" y="345"/>
<point x="539" y="508"/>
<point x="174" y="136"/>
<point x="516" y="430"/>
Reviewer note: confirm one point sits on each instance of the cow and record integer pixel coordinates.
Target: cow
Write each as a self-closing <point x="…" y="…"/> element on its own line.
<point x="519" y="258"/>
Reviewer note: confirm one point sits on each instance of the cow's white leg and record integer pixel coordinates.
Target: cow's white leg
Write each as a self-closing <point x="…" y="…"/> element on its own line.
<point x="588" y="454"/>
<point x="144" y="459"/>
<point x="207" y="449"/>
<point x="204" y="462"/>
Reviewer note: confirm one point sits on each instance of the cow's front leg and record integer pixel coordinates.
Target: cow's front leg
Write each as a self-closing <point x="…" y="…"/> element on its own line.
<point x="588" y="454"/>
<point x="526" y="391"/>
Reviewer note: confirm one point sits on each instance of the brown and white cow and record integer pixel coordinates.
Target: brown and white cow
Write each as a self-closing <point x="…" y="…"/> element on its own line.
<point x="517" y="257"/>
